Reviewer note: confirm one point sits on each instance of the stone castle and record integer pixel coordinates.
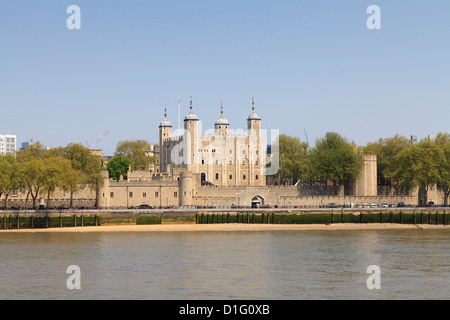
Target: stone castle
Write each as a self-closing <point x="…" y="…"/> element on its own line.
<point x="215" y="169"/>
<point x="221" y="168"/>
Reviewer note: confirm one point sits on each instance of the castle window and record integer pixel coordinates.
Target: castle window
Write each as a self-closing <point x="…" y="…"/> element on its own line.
<point x="231" y="161"/>
<point x="131" y="194"/>
<point x="256" y="162"/>
<point x="156" y="194"/>
<point x="243" y="162"/>
<point x="243" y="151"/>
<point x="231" y="151"/>
<point x="175" y="194"/>
<point x="203" y="161"/>
<point x="217" y="176"/>
<point x="111" y="194"/>
<point x="217" y="161"/>
<point x="231" y="177"/>
<point x="243" y="178"/>
<point x="144" y="194"/>
<point x="256" y="178"/>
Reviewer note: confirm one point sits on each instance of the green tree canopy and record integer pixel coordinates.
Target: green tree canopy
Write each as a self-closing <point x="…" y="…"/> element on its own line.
<point x="137" y="151"/>
<point x="334" y="158"/>
<point x="421" y="165"/>
<point x="386" y="151"/>
<point x="294" y="161"/>
<point x="118" y="166"/>
<point x="9" y="179"/>
<point x="87" y="170"/>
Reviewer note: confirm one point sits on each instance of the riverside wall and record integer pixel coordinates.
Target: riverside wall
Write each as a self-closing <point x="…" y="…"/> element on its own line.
<point x="14" y="219"/>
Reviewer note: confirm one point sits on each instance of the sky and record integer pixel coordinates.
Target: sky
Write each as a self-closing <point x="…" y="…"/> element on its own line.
<point x="313" y="66"/>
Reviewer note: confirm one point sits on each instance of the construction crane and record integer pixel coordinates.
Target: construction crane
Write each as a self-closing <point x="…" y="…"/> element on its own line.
<point x="307" y="141"/>
<point x="98" y="140"/>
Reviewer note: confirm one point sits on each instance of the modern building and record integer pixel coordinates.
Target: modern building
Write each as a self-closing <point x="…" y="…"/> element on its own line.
<point x="7" y="144"/>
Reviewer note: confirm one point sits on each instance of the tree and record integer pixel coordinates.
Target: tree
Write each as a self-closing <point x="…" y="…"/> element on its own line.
<point x="118" y="166"/>
<point x="8" y="177"/>
<point x="294" y="161"/>
<point x="137" y="151"/>
<point x="421" y="165"/>
<point x="31" y="169"/>
<point x="444" y="182"/>
<point x="88" y="168"/>
<point x="55" y="170"/>
<point x="335" y="159"/>
<point x="386" y="151"/>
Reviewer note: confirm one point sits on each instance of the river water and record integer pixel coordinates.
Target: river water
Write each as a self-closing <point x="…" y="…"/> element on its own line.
<point x="288" y="265"/>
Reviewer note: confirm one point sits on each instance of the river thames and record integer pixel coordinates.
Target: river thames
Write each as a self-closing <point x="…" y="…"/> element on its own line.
<point x="276" y="265"/>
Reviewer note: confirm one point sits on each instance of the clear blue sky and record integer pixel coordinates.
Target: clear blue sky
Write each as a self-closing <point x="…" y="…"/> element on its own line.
<point x="311" y="65"/>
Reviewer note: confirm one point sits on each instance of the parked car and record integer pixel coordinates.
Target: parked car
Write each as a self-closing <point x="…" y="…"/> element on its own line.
<point x="332" y="205"/>
<point x="384" y="205"/>
<point x="145" y="206"/>
<point x="392" y="205"/>
<point x="374" y="205"/>
<point x="401" y="205"/>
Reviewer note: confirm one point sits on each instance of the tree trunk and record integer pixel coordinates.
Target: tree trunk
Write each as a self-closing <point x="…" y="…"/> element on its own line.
<point x="71" y="200"/>
<point x="26" y="200"/>
<point x="446" y="195"/>
<point x="6" y="198"/>
<point x="48" y="199"/>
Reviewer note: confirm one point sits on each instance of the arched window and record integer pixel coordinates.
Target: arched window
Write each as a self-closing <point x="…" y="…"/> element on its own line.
<point x="217" y="161"/>
<point x="256" y="178"/>
<point x="203" y="161"/>
<point x="231" y="161"/>
<point x="217" y="176"/>
<point x="243" y="178"/>
<point x="231" y="177"/>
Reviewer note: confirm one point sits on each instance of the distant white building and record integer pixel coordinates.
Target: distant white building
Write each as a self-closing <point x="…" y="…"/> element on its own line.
<point x="7" y="144"/>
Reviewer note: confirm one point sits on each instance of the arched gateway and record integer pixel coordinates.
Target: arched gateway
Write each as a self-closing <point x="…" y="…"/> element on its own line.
<point x="257" y="201"/>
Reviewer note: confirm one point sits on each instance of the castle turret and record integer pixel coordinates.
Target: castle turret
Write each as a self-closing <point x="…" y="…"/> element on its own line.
<point x="185" y="189"/>
<point x="222" y="125"/>
<point x="191" y="124"/>
<point x="165" y="132"/>
<point x="254" y="121"/>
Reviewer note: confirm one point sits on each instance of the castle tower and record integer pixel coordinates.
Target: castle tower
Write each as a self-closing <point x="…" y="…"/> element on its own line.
<point x="190" y="154"/>
<point x="185" y="189"/>
<point x="255" y="148"/>
<point x="222" y="126"/>
<point x="254" y="121"/>
<point x="165" y="132"/>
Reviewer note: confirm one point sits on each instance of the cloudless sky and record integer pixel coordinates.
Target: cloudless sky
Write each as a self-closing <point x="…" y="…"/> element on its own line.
<point x="310" y="64"/>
